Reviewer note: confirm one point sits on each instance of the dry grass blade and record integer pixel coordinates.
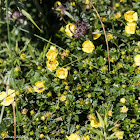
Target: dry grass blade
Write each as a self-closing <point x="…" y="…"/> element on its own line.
<point x="14" y="114"/>
<point x="104" y="33"/>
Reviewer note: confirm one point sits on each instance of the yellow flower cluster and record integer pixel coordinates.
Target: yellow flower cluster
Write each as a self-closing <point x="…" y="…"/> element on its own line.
<point x="74" y="136"/>
<point x="131" y="17"/>
<point x="52" y="63"/>
<point x="9" y="98"/>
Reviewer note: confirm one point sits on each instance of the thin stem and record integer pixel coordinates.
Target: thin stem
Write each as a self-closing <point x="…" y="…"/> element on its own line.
<point x="46" y="40"/>
<point x="104" y="33"/>
<point x="71" y="63"/>
<point x="8" y="29"/>
<point x="14" y="115"/>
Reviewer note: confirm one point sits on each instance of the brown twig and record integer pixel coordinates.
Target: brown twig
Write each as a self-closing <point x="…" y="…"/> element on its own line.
<point x="14" y="114"/>
<point x="104" y="33"/>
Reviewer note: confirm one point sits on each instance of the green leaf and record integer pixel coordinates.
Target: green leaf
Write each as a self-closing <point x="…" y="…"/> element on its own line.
<point x="100" y="119"/>
<point x="98" y="132"/>
<point x="137" y="77"/>
<point x="101" y="61"/>
<point x="76" y="118"/>
<point x="20" y="7"/>
<point x="29" y="17"/>
<point x="106" y="119"/>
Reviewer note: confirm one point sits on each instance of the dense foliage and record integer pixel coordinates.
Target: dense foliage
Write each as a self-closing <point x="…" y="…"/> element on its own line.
<point x="59" y="76"/>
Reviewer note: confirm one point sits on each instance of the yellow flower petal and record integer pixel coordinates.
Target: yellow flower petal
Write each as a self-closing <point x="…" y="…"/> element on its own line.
<point x="124" y="109"/>
<point x="95" y="123"/>
<point x="119" y="134"/>
<point x="70" y="29"/>
<point x="73" y="136"/>
<point x="137" y="60"/>
<point x="131" y="16"/>
<point x="9" y="100"/>
<point x="85" y="138"/>
<point x="96" y="36"/>
<point x="52" y="53"/>
<point x="2" y="95"/>
<point x="130" y="28"/>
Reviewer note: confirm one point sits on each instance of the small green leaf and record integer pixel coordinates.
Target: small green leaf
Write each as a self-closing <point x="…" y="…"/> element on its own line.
<point x="100" y="119"/>
<point x="101" y="61"/>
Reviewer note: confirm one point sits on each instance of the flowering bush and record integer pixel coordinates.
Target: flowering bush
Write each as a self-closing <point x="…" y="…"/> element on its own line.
<point x="70" y="69"/>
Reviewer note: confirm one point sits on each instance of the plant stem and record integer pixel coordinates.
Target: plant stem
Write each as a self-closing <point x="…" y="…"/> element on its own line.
<point x="8" y="29"/>
<point x="104" y="34"/>
<point x="14" y="115"/>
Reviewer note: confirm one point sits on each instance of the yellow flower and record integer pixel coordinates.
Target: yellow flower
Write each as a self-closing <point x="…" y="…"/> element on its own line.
<point x="57" y="3"/>
<point x="62" y="98"/>
<point x="123" y="100"/>
<point x="29" y="89"/>
<point x="131" y="16"/>
<point x="122" y="0"/>
<point x="117" y="4"/>
<point x="95" y="123"/>
<point x="138" y="43"/>
<point x="104" y="19"/>
<point x="124" y="109"/>
<point x="110" y="113"/>
<point x="109" y="36"/>
<point x="62" y="73"/>
<point x="119" y="134"/>
<point x="2" y="95"/>
<point x="23" y="56"/>
<point x="52" y="64"/>
<point x="52" y="53"/>
<point x="41" y="136"/>
<point x="117" y="15"/>
<point x="91" y="117"/>
<point x="39" y="87"/>
<point x="85" y="138"/>
<point x="24" y="111"/>
<point x="96" y="36"/>
<point x="17" y="69"/>
<point x="130" y="28"/>
<point x="9" y="99"/>
<point x="62" y="29"/>
<point x="88" y="46"/>
<point x="137" y="60"/>
<point x="72" y="3"/>
<point x="87" y="2"/>
<point x="4" y="134"/>
<point x="70" y="29"/>
<point x="73" y="136"/>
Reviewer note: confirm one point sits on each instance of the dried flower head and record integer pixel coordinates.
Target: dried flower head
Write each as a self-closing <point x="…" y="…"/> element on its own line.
<point x="81" y="29"/>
